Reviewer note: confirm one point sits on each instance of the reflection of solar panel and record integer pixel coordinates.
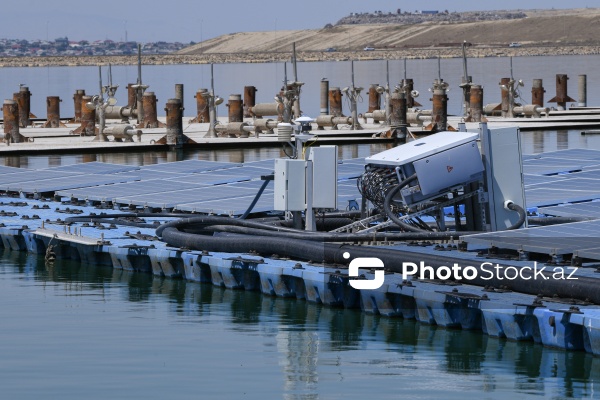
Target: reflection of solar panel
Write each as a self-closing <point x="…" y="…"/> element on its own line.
<point x="587" y="209"/>
<point x="552" y="240"/>
<point x="572" y="154"/>
<point x="530" y="179"/>
<point x="94" y="167"/>
<point x="541" y="197"/>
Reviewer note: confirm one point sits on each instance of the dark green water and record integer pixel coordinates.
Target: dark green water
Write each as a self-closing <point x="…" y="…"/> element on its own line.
<point x="75" y="331"/>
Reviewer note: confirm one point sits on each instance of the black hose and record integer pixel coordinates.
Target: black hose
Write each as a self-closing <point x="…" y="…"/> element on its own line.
<point x="545" y="221"/>
<point x="258" y="194"/>
<point x="341" y="237"/>
<point x="387" y="205"/>
<point x="522" y="215"/>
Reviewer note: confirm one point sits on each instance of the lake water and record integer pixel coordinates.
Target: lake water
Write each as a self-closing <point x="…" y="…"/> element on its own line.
<point x="75" y="331"/>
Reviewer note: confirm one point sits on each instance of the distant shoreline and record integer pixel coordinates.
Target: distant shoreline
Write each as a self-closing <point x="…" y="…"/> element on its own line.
<point x="316" y="56"/>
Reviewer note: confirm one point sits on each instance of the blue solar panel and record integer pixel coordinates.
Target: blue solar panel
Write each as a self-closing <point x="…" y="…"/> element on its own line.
<point x="189" y="166"/>
<point x="588" y="209"/>
<point x="552" y="240"/>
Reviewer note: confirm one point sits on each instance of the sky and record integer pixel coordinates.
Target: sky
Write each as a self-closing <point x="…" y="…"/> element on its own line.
<point x="196" y="20"/>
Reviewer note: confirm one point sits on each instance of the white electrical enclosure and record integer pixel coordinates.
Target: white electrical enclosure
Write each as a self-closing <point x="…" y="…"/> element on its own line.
<point x="290" y="185"/>
<point x="442" y="161"/>
<point x="504" y="174"/>
<point x="324" y="190"/>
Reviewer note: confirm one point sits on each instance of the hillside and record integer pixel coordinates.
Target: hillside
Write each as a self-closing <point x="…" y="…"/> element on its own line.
<point x="546" y="28"/>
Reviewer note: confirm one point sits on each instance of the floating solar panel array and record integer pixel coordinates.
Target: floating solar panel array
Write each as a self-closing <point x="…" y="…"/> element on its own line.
<point x="563" y="183"/>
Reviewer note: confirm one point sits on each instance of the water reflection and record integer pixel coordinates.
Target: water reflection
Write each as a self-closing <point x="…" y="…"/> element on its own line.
<point x="531" y="142"/>
<point x="310" y="339"/>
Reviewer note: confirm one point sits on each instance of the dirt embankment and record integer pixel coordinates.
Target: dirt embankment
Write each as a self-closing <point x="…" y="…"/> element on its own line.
<point x="543" y="32"/>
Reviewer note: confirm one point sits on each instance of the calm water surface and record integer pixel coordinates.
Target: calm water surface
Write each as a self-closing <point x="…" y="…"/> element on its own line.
<point x="75" y="331"/>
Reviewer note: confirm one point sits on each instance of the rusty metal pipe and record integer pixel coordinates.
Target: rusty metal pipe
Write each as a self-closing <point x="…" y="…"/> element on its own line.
<point x="335" y="102"/>
<point x="88" y="118"/>
<point x="131" y="95"/>
<point x="10" y="111"/>
<point x="174" y="112"/>
<point x="476" y="103"/>
<point x="439" y="114"/>
<point x="23" y="99"/>
<point x="235" y="106"/>
<point x="537" y="93"/>
<point x="150" y="112"/>
<point x="374" y="98"/>
<point x="562" y="96"/>
<point x="249" y="100"/>
<point x="52" y="112"/>
<point x="79" y="93"/>
<point x="203" y="115"/>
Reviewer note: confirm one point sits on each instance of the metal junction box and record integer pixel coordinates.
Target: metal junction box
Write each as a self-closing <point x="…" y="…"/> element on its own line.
<point x="290" y="185"/>
<point x="324" y="176"/>
<point x="441" y="161"/>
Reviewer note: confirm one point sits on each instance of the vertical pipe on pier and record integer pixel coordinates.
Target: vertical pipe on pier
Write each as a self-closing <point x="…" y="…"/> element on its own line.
<point x="179" y="94"/>
<point x="439" y="113"/>
<point x="398" y="120"/>
<point x="203" y="115"/>
<point x="505" y="92"/>
<point x="324" y="97"/>
<point x="23" y="99"/>
<point x="88" y="117"/>
<point x="374" y="98"/>
<point x="249" y="100"/>
<point x="150" y="114"/>
<point x="53" y="112"/>
<point x="582" y="91"/>
<point x="235" y="106"/>
<point x="174" y="112"/>
<point x="79" y="93"/>
<point x="408" y="85"/>
<point x="10" y="110"/>
<point x="476" y="103"/>
<point x="537" y="93"/>
<point x="131" y="95"/>
<point x="335" y="101"/>
<point x="562" y="96"/>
